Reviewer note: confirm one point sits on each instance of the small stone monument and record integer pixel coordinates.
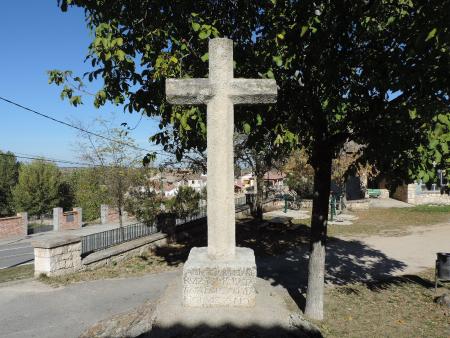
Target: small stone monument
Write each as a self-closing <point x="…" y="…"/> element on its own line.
<point x="221" y="274"/>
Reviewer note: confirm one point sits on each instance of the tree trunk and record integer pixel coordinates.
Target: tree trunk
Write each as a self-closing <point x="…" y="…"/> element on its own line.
<point x="259" y="197"/>
<point x="316" y="267"/>
<point x="120" y="217"/>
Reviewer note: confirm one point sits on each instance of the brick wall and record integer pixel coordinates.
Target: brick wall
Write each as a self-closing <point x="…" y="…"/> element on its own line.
<point x="68" y="220"/>
<point x="14" y="226"/>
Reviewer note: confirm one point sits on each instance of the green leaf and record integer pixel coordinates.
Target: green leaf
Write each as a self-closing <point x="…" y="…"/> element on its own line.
<point x="304" y="30"/>
<point x="205" y="57"/>
<point x="120" y="55"/>
<point x="270" y="74"/>
<point x="247" y="128"/>
<point x="258" y="120"/>
<point x="278" y="60"/>
<point x="443" y="119"/>
<point x="431" y="34"/>
<point x="195" y="26"/>
<point x="204" y="34"/>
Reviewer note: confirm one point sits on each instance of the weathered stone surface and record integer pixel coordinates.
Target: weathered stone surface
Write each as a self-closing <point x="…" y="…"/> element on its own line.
<point x="212" y="282"/>
<point x="54" y="242"/>
<point x="128" y="324"/>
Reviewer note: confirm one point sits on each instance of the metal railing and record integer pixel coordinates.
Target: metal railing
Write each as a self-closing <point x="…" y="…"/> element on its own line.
<point x="240" y="201"/>
<point x="201" y="213"/>
<point x="106" y="239"/>
<point x="109" y="238"/>
<point x="34" y="228"/>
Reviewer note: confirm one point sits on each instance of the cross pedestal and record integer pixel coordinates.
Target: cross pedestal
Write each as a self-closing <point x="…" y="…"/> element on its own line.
<point x="220" y="274"/>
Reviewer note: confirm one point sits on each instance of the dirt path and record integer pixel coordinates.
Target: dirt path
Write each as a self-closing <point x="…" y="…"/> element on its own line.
<point x="417" y="249"/>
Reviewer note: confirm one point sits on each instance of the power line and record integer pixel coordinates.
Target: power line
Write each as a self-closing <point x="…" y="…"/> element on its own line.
<point x="79" y="128"/>
<point x="41" y="158"/>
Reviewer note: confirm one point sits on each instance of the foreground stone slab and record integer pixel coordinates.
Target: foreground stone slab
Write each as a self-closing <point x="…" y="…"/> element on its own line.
<point x="212" y="282"/>
<point x="275" y="314"/>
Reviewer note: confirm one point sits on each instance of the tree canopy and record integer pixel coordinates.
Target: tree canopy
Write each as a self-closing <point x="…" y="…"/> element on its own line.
<point x="38" y="189"/>
<point x="9" y="175"/>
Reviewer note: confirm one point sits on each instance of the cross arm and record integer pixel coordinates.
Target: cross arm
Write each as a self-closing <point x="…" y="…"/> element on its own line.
<point x="253" y="91"/>
<point x="188" y="91"/>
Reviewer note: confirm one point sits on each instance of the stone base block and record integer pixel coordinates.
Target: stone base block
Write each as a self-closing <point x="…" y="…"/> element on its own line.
<point x="208" y="282"/>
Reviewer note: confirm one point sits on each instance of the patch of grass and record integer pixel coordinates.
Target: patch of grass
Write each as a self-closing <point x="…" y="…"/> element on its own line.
<point x="400" y="307"/>
<point x="431" y="208"/>
<point x="16" y="273"/>
<point x="147" y="263"/>
<point x="394" y="221"/>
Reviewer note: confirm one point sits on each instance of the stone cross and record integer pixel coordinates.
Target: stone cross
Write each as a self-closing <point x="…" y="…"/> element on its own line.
<point x="220" y="91"/>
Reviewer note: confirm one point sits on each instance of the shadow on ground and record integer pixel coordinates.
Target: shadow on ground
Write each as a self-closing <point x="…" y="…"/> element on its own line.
<point x="229" y="331"/>
<point x="282" y="256"/>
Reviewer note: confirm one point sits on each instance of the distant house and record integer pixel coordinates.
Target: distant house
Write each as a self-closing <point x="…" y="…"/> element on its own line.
<point x="171" y="180"/>
<point x="274" y="180"/>
<point x="238" y="187"/>
<point x="170" y="190"/>
<point x="195" y="181"/>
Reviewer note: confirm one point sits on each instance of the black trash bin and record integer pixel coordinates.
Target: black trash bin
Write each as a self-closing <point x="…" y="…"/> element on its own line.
<point x="443" y="266"/>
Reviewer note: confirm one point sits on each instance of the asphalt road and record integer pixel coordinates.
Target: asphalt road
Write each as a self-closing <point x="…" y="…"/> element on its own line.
<point x="33" y="309"/>
<point x="19" y="251"/>
<point x="16" y="252"/>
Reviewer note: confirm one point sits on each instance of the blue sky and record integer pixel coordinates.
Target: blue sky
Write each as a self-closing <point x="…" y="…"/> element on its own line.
<point x="35" y="37"/>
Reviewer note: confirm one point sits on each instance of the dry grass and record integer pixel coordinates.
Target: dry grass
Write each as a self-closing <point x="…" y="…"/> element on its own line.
<point x="16" y="273"/>
<point x="400" y="307"/>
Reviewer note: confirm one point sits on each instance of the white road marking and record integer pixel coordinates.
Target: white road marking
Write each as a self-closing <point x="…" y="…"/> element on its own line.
<point x="21" y="247"/>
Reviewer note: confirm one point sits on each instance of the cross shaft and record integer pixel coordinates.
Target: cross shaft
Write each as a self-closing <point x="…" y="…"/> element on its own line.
<point x="220" y="91"/>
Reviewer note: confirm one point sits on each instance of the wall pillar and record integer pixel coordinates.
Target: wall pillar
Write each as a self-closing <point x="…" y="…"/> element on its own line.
<point x="24" y="216"/>
<point x="411" y="193"/>
<point x="104" y="210"/>
<point x="79" y="212"/>
<point x="57" y="218"/>
<point x="57" y="255"/>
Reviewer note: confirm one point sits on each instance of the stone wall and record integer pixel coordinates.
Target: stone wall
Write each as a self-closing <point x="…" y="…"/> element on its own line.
<point x="109" y="214"/>
<point x="15" y="226"/>
<point x="68" y="220"/>
<point x="57" y="256"/>
<point x="384" y="193"/>
<point x="362" y="204"/>
<point x="410" y="194"/>
<point x="432" y="198"/>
